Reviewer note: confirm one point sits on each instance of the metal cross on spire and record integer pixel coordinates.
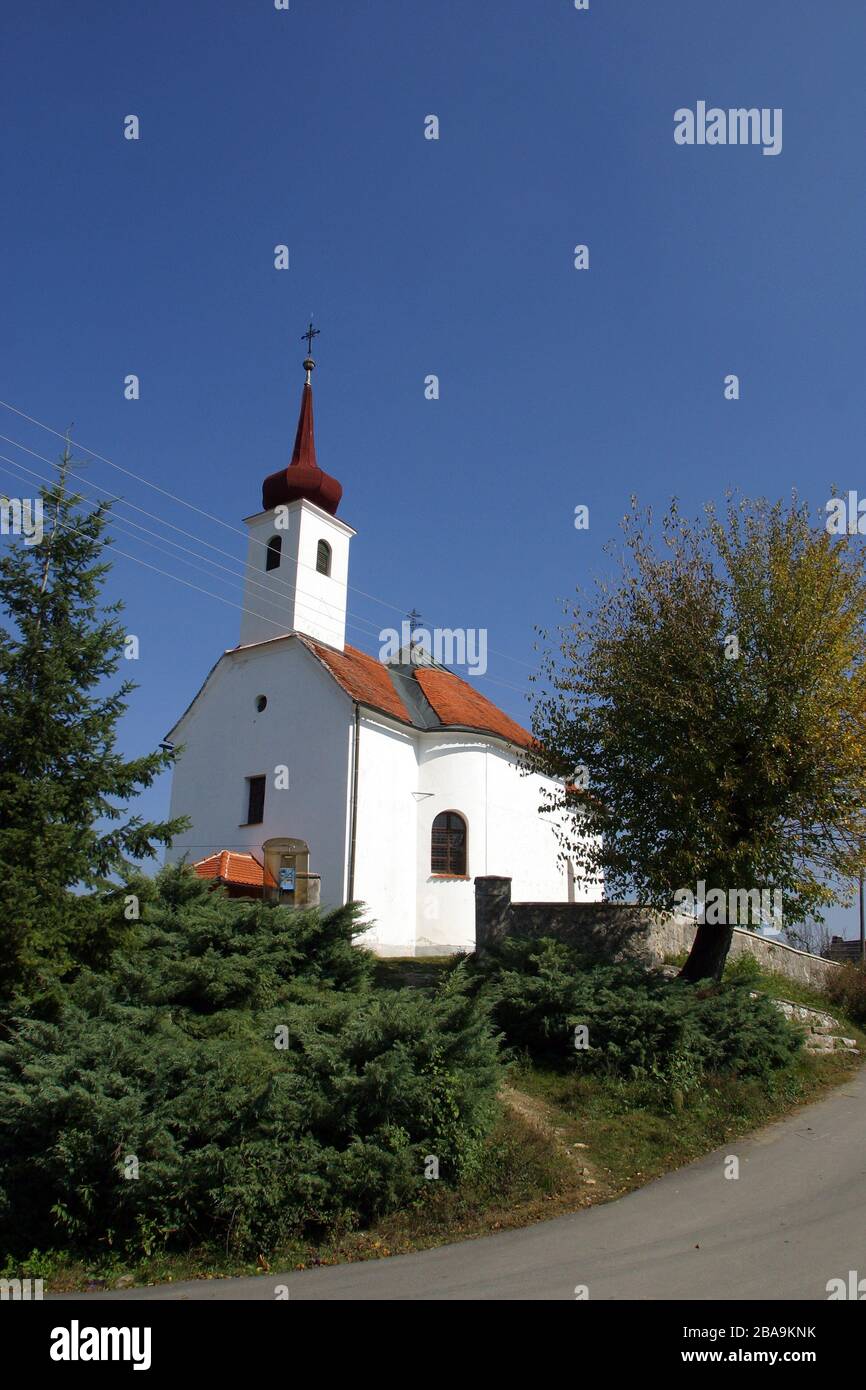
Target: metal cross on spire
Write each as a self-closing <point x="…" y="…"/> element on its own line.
<point x="310" y="334"/>
<point x="417" y="639"/>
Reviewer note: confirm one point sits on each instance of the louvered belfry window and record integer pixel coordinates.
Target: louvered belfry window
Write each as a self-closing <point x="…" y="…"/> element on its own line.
<point x="448" y="844"/>
<point x="323" y="557"/>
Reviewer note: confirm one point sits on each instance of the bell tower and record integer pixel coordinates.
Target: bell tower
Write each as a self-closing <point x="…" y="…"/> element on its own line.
<point x="297" y="568"/>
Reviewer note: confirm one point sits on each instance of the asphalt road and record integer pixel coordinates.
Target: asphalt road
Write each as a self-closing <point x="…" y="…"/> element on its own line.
<point x="795" y="1218"/>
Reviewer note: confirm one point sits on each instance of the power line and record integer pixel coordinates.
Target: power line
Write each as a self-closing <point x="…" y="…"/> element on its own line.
<point x="137" y="559"/>
<point x="174" y="498"/>
<point x="220" y="597"/>
<point x="209" y="515"/>
<point x="290" y="588"/>
<point x="117" y="524"/>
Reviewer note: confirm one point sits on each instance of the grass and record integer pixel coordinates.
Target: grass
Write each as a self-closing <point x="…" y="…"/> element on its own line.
<point x="775" y="985"/>
<point x="412" y="972"/>
<point x="633" y="1136"/>
<point x="562" y="1141"/>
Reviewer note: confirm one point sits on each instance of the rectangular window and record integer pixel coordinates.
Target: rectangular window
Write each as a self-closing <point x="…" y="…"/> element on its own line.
<point x="256" y="802"/>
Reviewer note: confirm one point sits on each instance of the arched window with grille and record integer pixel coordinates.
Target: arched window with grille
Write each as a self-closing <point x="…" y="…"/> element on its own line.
<point x="448" y="845"/>
<point x="323" y="558"/>
<point x="275" y="545"/>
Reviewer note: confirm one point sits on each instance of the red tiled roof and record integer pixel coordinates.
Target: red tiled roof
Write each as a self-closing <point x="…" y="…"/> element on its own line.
<point x="362" y="677"/>
<point x="229" y="866"/>
<point x="455" y="702"/>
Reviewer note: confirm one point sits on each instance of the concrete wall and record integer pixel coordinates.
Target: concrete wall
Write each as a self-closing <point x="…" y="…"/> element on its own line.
<point x="672" y="936"/>
<point x="615" y="930"/>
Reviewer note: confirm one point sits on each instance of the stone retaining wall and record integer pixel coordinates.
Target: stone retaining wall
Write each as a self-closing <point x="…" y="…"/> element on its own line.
<point x="613" y="930"/>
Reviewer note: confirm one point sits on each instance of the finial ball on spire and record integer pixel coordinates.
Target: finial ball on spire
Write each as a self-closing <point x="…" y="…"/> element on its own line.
<point x="308" y="337"/>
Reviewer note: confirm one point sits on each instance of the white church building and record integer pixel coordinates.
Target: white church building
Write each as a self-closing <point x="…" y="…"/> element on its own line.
<point x="311" y="771"/>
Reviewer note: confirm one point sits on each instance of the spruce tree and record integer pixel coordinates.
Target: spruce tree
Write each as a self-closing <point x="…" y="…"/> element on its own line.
<point x="65" y="833"/>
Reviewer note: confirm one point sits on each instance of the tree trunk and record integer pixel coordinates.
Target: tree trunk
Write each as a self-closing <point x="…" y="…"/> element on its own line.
<point x="708" y="954"/>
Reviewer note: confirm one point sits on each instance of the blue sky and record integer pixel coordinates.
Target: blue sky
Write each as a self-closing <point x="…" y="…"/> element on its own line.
<point x="452" y="257"/>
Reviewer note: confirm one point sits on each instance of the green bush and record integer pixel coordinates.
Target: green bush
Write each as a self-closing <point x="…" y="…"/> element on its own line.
<point x="640" y="1024"/>
<point x="846" y="987"/>
<point x="744" y="967"/>
<point x="234" y="1077"/>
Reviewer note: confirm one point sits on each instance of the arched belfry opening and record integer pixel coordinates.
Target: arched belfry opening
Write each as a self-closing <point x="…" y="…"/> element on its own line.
<point x="274" y="553"/>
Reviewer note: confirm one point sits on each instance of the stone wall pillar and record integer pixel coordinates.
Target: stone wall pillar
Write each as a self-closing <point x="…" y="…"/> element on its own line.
<point x="308" y="890"/>
<point x="492" y="911"/>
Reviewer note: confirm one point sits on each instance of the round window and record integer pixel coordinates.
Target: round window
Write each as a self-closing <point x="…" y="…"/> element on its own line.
<point x="261" y="702"/>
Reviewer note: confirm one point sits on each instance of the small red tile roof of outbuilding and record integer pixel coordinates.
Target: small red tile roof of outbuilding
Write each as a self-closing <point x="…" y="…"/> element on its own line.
<point x="230" y="866"/>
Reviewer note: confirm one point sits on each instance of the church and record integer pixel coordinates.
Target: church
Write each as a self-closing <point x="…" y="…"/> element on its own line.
<point x="315" y="773"/>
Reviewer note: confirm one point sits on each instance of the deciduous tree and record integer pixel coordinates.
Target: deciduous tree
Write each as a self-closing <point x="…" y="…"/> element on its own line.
<point x="714" y="691"/>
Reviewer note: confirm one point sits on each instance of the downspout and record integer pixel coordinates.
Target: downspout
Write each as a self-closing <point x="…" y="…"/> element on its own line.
<point x="353" y="822"/>
<point x="486" y="804"/>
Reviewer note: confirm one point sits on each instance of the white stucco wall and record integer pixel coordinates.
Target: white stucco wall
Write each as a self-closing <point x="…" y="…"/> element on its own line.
<point x="523" y="843"/>
<point x="294" y="597"/>
<point x="306" y="726"/>
<point x="385" y="847"/>
<point x="506" y="834"/>
<point x="405" y="779"/>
